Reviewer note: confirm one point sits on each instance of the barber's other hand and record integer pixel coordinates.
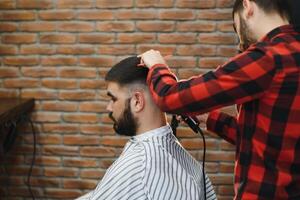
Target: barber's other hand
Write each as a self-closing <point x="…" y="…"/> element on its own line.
<point x="151" y="58"/>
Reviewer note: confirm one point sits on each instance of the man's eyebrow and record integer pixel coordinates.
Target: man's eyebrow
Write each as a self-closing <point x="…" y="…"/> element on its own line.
<point x="110" y="94"/>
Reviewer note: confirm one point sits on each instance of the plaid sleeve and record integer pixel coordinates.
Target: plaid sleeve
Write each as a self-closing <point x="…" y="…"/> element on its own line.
<point x="242" y="79"/>
<point x="223" y="125"/>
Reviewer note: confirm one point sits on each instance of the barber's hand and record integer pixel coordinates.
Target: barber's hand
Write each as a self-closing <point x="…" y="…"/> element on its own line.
<point x="151" y="58"/>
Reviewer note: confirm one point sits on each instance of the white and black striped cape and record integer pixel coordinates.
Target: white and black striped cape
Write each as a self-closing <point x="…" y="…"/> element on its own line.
<point x="153" y="166"/>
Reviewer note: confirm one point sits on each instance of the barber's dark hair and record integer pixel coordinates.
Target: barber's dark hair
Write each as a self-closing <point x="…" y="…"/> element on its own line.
<point x="127" y="71"/>
<point x="280" y="6"/>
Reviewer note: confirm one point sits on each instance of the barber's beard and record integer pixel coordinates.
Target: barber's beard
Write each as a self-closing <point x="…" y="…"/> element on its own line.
<point x="246" y="39"/>
<point x="127" y="123"/>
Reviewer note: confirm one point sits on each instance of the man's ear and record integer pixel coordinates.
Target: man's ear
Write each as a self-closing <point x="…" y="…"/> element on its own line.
<point x="138" y="101"/>
<point x="248" y="8"/>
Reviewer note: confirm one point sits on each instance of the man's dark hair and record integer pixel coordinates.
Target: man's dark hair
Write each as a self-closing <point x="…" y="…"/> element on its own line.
<point x="280" y="6"/>
<point x="127" y="71"/>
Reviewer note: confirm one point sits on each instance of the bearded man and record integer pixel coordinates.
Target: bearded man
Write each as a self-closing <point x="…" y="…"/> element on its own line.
<point x="153" y="164"/>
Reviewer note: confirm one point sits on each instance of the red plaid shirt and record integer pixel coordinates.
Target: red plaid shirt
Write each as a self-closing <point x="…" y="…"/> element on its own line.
<point x="265" y="82"/>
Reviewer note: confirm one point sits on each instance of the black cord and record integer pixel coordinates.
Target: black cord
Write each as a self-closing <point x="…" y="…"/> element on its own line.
<point x="33" y="160"/>
<point x="203" y="160"/>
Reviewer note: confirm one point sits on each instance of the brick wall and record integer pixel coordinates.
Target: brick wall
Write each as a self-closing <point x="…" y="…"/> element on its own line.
<point x="57" y="51"/>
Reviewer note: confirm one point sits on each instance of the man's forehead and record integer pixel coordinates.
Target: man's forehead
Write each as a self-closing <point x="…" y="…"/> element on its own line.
<point x="115" y="89"/>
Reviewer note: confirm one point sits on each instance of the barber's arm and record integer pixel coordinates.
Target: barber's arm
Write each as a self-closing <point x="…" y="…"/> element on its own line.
<point x="244" y="78"/>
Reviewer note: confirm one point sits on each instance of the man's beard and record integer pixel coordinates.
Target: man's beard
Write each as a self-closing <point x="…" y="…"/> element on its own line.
<point x="126" y="124"/>
<point x="246" y="39"/>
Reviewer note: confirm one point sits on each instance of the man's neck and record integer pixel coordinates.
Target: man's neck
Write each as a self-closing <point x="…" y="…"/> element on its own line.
<point x="269" y="23"/>
<point x="151" y="122"/>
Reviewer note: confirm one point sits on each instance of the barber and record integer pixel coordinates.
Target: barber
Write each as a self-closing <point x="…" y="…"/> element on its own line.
<point x="264" y="81"/>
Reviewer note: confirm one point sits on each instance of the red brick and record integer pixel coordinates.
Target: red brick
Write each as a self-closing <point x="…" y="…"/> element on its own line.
<point x="164" y="49"/>
<point x="17" y="15"/>
<point x="116" y="49"/>
<point x="21" y="83"/>
<point x="220" y="156"/>
<point x="114" y="141"/>
<point x="97" y="152"/>
<point x="37" y="49"/>
<point x="196" y="4"/>
<point x="45" y="161"/>
<point x="23" y="191"/>
<point x="97" y="129"/>
<point x="196" y="50"/>
<point x="226" y="168"/>
<point x="226" y="190"/>
<point x="106" y="163"/>
<point x="80" y="118"/>
<point x="5" y="93"/>
<point x="221" y="179"/>
<point x="211" y="62"/>
<point x="23" y="170"/>
<point x="95" y="15"/>
<point x="196" y="27"/>
<point x="39" y="94"/>
<point x="225" y="26"/>
<point x="78" y="162"/>
<point x="19" y="38"/>
<point x="134" y="15"/>
<point x="60" y="128"/>
<point x="75" y="27"/>
<point x="92" y="84"/>
<point x="92" y="174"/>
<point x="45" y="182"/>
<point x="46" y="117"/>
<point x="61" y="150"/>
<point x="78" y="73"/>
<point x="182" y="62"/>
<point x="225" y="3"/>
<point x="7" y="50"/>
<point x="7" y="4"/>
<point x="96" y="61"/>
<point x="59" y="84"/>
<point x="79" y="139"/>
<point x="91" y="106"/>
<point x="136" y="38"/>
<point x="60" y="172"/>
<point x="215" y="15"/>
<point x="96" y="38"/>
<point x="40" y="4"/>
<point x="37" y="27"/>
<point x="6" y="72"/>
<point x="39" y="72"/>
<point x="75" y="4"/>
<point x="155" y="26"/>
<point x="226" y="146"/>
<point x="188" y="73"/>
<point x="59" y="106"/>
<point x="193" y="144"/>
<point x="80" y="184"/>
<point x="174" y="38"/>
<point x="56" y="61"/>
<point x="177" y="15"/>
<point x="21" y="61"/>
<point x="56" y="14"/>
<point x="77" y="95"/>
<point x="61" y="193"/>
<point x="49" y="139"/>
<point x="58" y="38"/>
<point x="112" y="26"/>
<point x="216" y="39"/>
<point x="8" y="27"/>
<point x="227" y="51"/>
<point x="114" y="4"/>
<point x="155" y="3"/>
<point x="75" y="50"/>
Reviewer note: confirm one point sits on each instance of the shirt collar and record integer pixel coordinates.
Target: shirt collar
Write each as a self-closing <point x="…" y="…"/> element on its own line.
<point x="277" y="31"/>
<point x="159" y="132"/>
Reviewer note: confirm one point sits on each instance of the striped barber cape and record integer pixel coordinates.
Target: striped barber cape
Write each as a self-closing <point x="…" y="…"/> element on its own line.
<point x="153" y="166"/>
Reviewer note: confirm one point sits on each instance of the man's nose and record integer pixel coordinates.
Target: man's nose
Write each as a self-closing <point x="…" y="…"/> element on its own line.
<point x="109" y="107"/>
